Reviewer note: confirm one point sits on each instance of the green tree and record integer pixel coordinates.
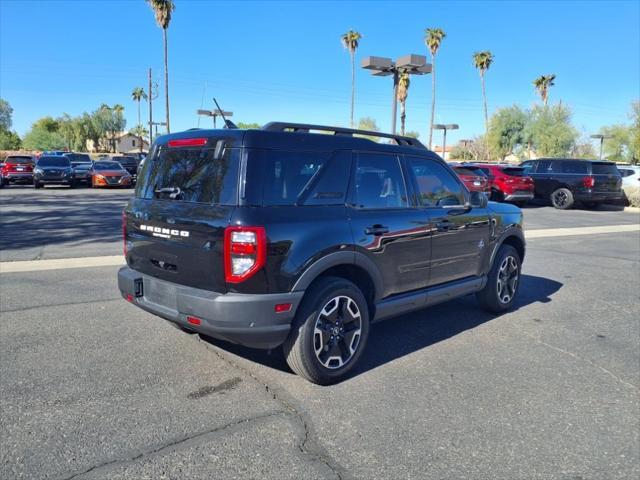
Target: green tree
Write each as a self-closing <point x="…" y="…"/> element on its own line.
<point x="550" y="132"/>
<point x="137" y="95"/>
<point x="163" y="10"/>
<point x="6" y="113"/>
<point x="350" y="41"/>
<point x="584" y="149"/>
<point x="412" y="134"/>
<point x="634" y="134"/>
<point x="369" y="124"/>
<point x="617" y="147"/>
<point x="542" y="85"/>
<point x="433" y="38"/>
<point x="44" y="135"/>
<point x="506" y="131"/>
<point x="248" y="126"/>
<point x="107" y="123"/>
<point x="403" y="92"/>
<point x="461" y="152"/>
<point x="142" y="134"/>
<point x="482" y="61"/>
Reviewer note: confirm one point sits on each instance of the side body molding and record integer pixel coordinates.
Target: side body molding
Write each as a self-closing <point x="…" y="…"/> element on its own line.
<point x="340" y="258"/>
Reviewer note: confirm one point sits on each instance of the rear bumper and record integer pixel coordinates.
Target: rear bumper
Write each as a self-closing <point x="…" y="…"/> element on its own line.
<point x="18" y="177"/>
<point x="588" y="196"/>
<point x="248" y="320"/>
<point x="518" y="196"/>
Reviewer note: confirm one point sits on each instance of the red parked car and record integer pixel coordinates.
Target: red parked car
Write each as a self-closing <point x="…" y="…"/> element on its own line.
<point x="17" y="169"/>
<point x="474" y="178"/>
<point x="509" y="183"/>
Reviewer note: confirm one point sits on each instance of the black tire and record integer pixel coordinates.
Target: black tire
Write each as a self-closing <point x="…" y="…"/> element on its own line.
<point x="493" y="297"/>
<point x="72" y="184"/>
<point x="37" y="185"/>
<point x="308" y="349"/>
<point x="562" y="199"/>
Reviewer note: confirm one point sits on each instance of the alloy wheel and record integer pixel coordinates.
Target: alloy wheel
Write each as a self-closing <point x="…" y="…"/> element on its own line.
<point x="337" y="332"/>
<point x="507" y="279"/>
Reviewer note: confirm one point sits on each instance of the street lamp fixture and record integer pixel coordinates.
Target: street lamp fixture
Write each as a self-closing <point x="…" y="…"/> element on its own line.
<point x="601" y="137"/>
<point x="384" y="67"/>
<point x="444" y="128"/>
<point x="214" y="113"/>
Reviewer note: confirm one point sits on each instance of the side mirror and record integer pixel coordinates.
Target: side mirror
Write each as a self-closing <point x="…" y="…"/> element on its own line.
<point x="478" y="199"/>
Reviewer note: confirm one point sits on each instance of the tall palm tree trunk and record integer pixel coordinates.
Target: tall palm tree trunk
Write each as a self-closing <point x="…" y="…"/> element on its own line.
<point x="139" y="112"/>
<point x="353" y="85"/>
<point x="545" y="96"/>
<point x="433" y="99"/>
<point x="486" y="112"/>
<point x="166" y="77"/>
<point x="403" y="116"/>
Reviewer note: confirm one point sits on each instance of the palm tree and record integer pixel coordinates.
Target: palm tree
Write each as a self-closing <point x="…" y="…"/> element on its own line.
<point x="482" y="61"/>
<point x="162" y="10"/>
<point x="542" y="84"/>
<point x="137" y="95"/>
<point x="350" y="41"/>
<point x="140" y="132"/>
<point x="433" y="38"/>
<point x="403" y="93"/>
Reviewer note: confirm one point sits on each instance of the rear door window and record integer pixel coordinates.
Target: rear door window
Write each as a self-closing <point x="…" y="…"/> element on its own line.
<point x="378" y="182"/>
<point x="513" y="171"/>
<point x="195" y="175"/>
<point x="604" y="169"/>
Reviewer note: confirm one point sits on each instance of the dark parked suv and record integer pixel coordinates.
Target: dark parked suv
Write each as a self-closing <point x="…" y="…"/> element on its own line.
<point x="284" y="236"/>
<point x="129" y="163"/>
<point x="564" y="181"/>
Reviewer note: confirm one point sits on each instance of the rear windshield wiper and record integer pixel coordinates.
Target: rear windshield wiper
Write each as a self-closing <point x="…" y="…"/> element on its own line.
<point x="172" y="191"/>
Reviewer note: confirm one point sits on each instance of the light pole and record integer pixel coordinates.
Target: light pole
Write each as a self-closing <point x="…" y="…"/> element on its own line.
<point x="383" y="67"/>
<point x="601" y="137"/>
<point x="215" y="113"/>
<point x="444" y="128"/>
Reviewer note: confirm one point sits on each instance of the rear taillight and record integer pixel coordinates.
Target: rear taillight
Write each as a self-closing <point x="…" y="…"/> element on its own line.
<point x="245" y="252"/>
<point x="124" y="233"/>
<point x="588" y="182"/>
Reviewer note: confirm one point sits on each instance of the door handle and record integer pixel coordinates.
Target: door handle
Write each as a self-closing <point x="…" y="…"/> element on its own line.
<point x="443" y="225"/>
<point x="376" y="230"/>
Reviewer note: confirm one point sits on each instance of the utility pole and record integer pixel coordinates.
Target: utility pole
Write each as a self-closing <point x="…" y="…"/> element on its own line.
<point x="150" y="97"/>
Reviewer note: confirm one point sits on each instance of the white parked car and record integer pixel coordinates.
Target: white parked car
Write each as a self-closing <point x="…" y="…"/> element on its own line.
<point x="630" y="175"/>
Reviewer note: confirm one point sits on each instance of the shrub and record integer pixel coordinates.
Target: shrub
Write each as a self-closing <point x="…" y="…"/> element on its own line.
<point x="633" y="196"/>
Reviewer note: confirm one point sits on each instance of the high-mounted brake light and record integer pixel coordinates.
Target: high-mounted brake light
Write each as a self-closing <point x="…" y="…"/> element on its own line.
<point x="588" y="182"/>
<point x="245" y="252"/>
<point x="188" y="142"/>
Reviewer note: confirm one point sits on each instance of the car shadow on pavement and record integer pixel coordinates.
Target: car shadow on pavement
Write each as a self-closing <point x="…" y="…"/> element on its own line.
<point x="399" y="336"/>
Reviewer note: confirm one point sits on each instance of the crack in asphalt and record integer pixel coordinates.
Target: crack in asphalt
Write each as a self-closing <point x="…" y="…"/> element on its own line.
<point x="61" y="305"/>
<point x="582" y="359"/>
<point x="173" y="445"/>
<point x="310" y="445"/>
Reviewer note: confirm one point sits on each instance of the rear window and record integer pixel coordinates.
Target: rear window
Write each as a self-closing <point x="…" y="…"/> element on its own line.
<point x="472" y="171"/>
<point x="14" y="160"/>
<point x="54" y="162"/>
<point x="78" y="157"/>
<point x="190" y="175"/>
<point x="604" y="169"/>
<point x="513" y="171"/>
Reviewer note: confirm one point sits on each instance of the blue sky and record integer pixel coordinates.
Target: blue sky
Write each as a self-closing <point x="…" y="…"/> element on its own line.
<point x="284" y="61"/>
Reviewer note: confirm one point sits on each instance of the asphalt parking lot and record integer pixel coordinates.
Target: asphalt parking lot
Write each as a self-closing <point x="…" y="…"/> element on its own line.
<point x="92" y="387"/>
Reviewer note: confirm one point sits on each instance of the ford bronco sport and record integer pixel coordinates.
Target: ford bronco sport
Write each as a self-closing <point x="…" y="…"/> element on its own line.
<point x="302" y="236"/>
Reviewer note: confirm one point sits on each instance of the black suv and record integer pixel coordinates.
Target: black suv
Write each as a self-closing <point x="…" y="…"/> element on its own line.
<point x="129" y="163"/>
<point x="53" y="170"/>
<point x="285" y="236"/>
<point x="565" y="181"/>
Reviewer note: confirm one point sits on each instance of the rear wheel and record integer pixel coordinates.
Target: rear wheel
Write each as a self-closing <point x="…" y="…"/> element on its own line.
<point x="503" y="281"/>
<point x="562" y="198"/>
<point x="329" y="332"/>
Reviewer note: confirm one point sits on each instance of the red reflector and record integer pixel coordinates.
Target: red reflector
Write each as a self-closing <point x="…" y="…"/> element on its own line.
<point x="243" y="248"/>
<point x="282" y="307"/>
<point x="188" y="142"/>
<point x="194" y="320"/>
<point x="129" y="298"/>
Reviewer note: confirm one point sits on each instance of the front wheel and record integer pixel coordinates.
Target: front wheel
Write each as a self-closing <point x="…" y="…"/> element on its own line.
<point x="503" y="281"/>
<point x="562" y="199"/>
<point x="329" y="332"/>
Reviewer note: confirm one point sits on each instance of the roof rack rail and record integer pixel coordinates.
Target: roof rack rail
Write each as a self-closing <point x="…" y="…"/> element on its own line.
<point x="305" y="128"/>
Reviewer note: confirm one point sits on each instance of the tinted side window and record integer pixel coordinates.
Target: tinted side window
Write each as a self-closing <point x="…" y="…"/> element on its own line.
<point x="604" y="169"/>
<point x="333" y="179"/>
<point x="545" y="166"/>
<point x="574" y="166"/>
<point x="437" y="186"/>
<point x="528" y="167"/>
<point x="379" y="182"/>
<point x="286" y="174"/>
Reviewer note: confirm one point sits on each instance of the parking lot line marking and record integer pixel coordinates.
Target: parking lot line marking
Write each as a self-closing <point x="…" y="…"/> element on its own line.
<point x="61" y="263"/>
<point x="570" y="231"/>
